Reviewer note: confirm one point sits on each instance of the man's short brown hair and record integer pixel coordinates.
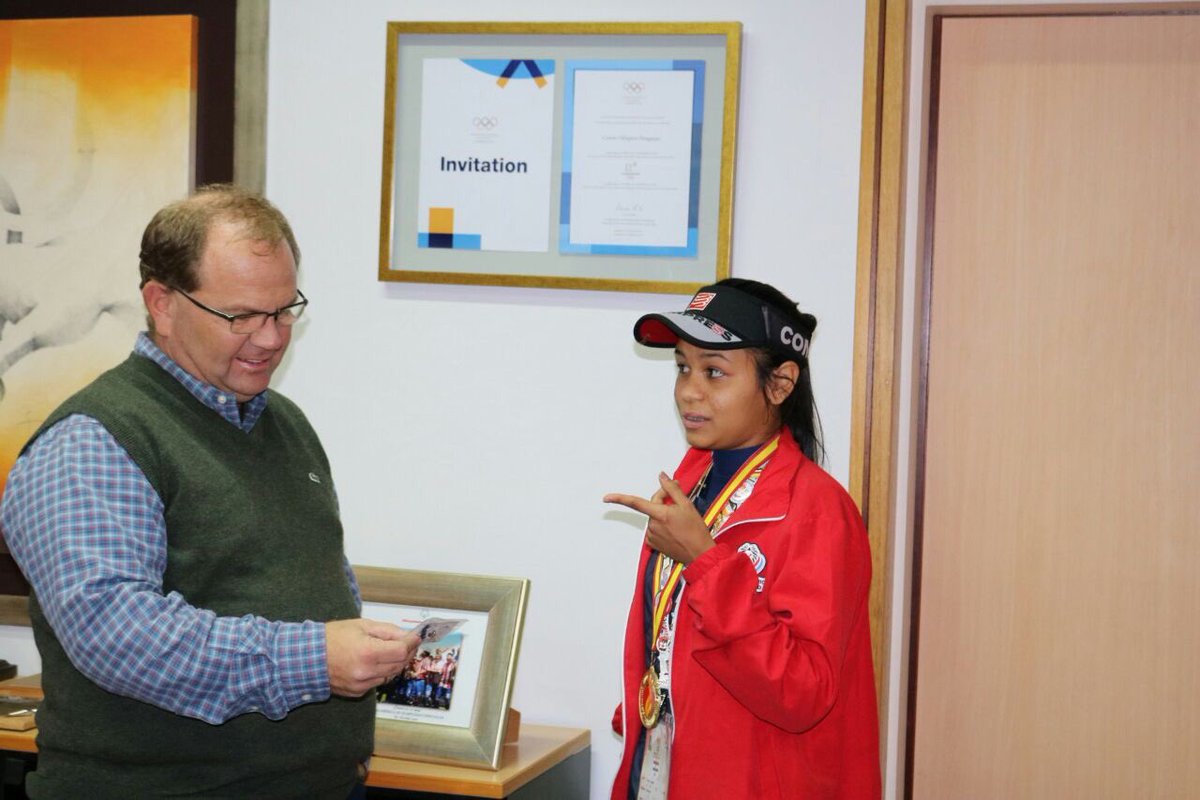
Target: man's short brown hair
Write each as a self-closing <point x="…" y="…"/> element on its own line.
<point x="173" y="242"/>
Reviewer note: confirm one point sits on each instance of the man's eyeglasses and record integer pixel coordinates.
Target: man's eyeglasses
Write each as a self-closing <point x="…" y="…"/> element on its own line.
<point x="252" y="322"/>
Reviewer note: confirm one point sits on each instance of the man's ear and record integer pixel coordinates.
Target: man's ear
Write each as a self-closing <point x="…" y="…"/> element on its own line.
<point x="160" y="305"/>
<point x="783" y="382"/>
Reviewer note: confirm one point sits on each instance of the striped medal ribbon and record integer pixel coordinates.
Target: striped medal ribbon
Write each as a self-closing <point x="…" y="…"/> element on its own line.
<point x="650" y="693"/>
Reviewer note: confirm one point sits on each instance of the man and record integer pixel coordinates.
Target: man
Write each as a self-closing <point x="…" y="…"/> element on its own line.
<point x="192" y="604"/>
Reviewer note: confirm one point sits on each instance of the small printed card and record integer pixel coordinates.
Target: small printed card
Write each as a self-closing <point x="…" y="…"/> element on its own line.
<point x="435" y="629"/>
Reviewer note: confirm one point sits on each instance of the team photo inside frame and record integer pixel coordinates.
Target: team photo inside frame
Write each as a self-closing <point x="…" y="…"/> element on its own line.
<point x="566" y="155"/>
<point x="451" y="704"/>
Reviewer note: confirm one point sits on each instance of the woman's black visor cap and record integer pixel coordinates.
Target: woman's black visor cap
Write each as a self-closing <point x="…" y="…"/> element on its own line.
<point x="723" y="318"/>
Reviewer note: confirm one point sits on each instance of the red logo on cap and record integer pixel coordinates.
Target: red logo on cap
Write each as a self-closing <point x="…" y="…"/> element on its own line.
<point x="701" y="301"/>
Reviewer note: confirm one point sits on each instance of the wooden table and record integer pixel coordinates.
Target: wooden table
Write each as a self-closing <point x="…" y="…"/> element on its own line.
<point x="545" y="762"/>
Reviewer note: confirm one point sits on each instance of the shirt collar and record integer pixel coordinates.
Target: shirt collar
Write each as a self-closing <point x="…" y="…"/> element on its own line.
<point x="224" y="403"/>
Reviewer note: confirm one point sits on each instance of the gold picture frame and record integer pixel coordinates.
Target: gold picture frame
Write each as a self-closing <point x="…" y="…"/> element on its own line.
<point x="577" y="244"/>
<point x="496" y="607"/>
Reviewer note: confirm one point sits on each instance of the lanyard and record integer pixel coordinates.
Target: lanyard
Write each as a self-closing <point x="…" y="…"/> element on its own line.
<point x="663" y="597"/>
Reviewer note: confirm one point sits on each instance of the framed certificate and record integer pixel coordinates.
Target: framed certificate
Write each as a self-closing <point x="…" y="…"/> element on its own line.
<point x="569" y="155"/>
<point x="631" y="157"/>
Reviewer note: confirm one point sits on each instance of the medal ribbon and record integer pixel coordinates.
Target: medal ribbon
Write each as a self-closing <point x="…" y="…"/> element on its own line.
<point x="753" y="463"/>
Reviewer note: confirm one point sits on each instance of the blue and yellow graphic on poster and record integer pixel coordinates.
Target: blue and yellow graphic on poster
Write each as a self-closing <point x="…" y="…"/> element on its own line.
<point x="485" y="157"/>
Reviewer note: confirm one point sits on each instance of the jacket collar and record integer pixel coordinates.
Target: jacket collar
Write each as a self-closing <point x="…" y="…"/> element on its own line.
<point x="772" y="497"/>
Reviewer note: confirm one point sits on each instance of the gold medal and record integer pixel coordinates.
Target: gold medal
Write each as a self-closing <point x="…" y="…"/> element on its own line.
<point x="649" y="699"/>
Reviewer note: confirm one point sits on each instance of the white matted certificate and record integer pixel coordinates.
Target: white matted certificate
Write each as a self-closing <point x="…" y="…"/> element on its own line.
<point x="631" y="157"/>
<point x="485" y="154"/>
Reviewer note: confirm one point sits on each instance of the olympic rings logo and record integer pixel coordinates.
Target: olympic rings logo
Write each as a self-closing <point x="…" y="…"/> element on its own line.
<point x="634" y="87"/>
<point x="485" y="123"/>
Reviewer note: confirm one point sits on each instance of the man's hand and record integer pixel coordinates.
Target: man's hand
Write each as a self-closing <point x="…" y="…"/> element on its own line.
<point x="363" y="654"/>
<point x="675" y="528"/>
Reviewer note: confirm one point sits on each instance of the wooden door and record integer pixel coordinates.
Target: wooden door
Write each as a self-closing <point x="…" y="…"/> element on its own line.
<point x="1057" y="541"/>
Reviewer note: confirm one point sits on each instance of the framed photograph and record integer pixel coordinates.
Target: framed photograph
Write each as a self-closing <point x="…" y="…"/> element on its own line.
<point x="567" y="155"/>
<point x="112" y="108"/>
<point x="451" y="704"/>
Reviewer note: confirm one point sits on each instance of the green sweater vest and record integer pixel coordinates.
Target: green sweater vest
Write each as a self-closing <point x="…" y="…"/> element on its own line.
<point x="252" y="528"/>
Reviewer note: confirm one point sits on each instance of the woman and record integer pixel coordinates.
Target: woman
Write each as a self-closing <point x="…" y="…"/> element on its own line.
<point x="747" y="662"/>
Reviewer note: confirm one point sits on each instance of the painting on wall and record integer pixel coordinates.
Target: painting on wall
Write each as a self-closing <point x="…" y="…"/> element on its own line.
<point x="96" y="133"/>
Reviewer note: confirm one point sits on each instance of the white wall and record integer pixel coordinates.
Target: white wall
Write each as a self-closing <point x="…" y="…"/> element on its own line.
<point x="474" y="429"/>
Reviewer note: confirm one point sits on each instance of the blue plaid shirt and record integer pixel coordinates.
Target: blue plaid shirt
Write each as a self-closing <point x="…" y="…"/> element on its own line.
<point x="87" y="529"/>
